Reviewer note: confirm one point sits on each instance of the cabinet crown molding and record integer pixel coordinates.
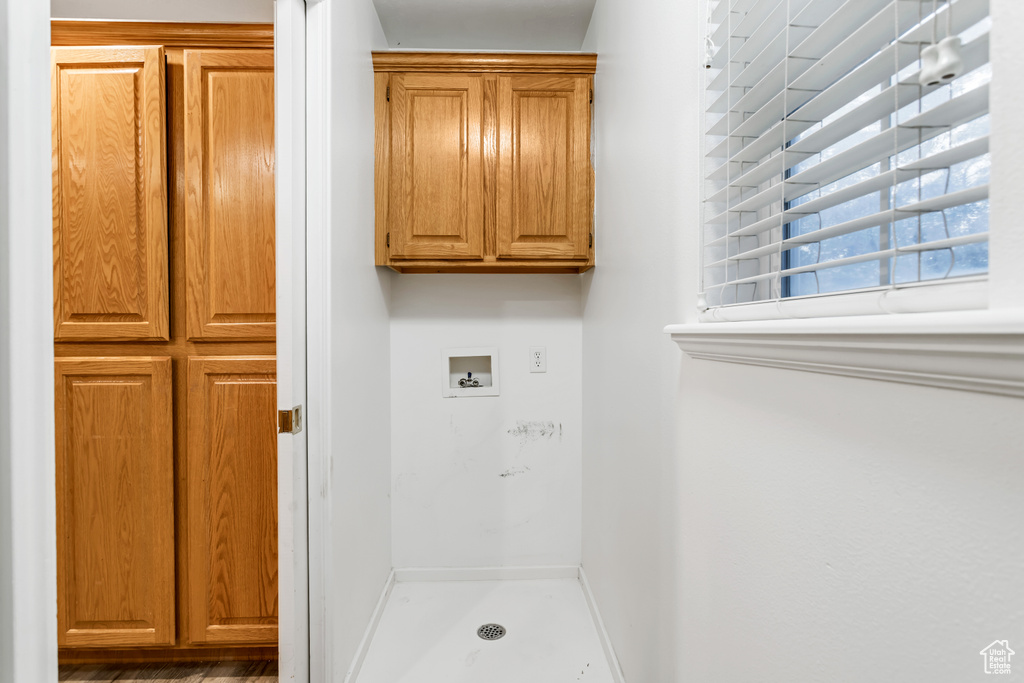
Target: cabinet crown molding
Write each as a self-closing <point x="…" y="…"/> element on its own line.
<point x="68" y="32"/>
<point x="486" y="62"/>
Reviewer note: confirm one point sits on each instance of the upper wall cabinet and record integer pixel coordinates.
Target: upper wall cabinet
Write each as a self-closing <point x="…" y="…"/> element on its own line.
<point x="483" y="162"/>
<point x="109" y="194"/>
<point x="229" y="209"/>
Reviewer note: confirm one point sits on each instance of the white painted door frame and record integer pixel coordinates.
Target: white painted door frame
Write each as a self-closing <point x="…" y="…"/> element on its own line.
<point x="303" y="78"/>
<point x="290" y="240"/>
<point x="318" y="333"/>
<point x="28" y="505"/>
<point x="303" y="140"/>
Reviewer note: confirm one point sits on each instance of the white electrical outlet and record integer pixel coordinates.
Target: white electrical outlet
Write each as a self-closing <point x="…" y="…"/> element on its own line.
<point x="538" y="359"/>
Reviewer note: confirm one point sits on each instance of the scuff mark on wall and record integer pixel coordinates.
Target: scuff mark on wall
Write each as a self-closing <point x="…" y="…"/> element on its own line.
<point x="534" y="430"/>
<point x="514" y="471"/>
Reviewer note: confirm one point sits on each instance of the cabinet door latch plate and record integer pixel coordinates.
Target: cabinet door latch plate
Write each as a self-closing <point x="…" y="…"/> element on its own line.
<point x="289" y="421"/>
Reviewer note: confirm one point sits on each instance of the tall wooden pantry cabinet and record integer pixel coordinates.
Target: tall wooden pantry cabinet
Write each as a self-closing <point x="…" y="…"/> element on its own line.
<point x="164" y="329"/>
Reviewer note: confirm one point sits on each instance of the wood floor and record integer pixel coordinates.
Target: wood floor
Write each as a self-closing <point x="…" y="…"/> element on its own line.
<point x="221" y="672"/>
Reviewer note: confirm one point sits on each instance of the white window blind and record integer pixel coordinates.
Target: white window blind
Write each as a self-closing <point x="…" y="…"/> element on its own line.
<point x="829" y="168"/>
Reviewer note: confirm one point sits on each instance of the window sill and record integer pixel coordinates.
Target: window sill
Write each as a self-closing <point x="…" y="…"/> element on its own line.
<point x="972" y="350"/>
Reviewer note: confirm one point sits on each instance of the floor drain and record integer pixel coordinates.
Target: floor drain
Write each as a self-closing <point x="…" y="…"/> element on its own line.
<point x="491" y="631"/>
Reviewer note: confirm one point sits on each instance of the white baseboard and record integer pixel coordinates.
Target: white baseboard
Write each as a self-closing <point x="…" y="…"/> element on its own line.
<point x="602" y="633"/>
<point x="371" y="630"/>
<point x="486" y="573"/>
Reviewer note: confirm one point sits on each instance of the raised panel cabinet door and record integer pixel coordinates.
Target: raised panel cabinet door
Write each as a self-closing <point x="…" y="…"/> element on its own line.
<point x="229" y="200"/>
<point x="436" y="190"/>
<point x="232" y="500"/>
<point x="109" y="194"/>
<point x="544" y="208"/>
<point x="115" y="506"/>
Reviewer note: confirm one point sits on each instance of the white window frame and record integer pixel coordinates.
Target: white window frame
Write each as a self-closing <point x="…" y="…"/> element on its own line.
<point x="905" y="338"/>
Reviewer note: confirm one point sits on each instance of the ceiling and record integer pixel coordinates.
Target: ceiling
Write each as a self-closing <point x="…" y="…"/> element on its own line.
<point x="543" y="25"/>
<point x="242" y="11"/>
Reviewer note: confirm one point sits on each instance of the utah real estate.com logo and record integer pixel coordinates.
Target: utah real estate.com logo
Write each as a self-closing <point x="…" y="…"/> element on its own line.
<point x="997" y="657"/>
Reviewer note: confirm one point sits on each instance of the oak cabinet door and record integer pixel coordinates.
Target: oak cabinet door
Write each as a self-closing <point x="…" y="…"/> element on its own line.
<point x="543" y="167"/>
<point x="109" y="194"/>
<point x="229" y="209"/>
<point x="436" y="185"/>
<point x="232" y="500"/>
<point x="115" y="508"/>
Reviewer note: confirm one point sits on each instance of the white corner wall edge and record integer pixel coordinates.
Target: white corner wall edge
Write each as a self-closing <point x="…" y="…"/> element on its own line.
<point x="486" y="573"/>
<point x="371" y="630"/>
<point x="979" y="351"/>
<point x="602" y="632"/>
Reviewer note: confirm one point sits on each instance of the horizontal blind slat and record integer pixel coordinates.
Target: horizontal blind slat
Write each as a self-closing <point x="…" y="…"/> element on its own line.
<point x="878" y="67"/>
<point x="828" y="72"/>
<point x="920" y="128"/>
<point x="836" y="231"/>
<point x="745" y="24"/>
<point x="946" y="201"/>
<point x="719" y="12"/>
<point x="884" y="103"/>
<point x="954" y="155"/>
<point x="811" y="73"/>
<point x="941" y="160"/>
<point x="770" y="23"/>
<point x="821" y="139"/>
<point x="948" y="243"/>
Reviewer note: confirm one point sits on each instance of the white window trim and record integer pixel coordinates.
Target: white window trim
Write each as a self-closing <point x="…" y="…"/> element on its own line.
<point x="972" y="350"/>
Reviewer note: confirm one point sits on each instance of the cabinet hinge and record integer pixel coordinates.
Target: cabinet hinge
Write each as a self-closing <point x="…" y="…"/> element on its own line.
<point x="591" y="95"/>
<point x="289" y="421"/>
<point x="387" y="94"/>
<point x="387" y="240"/>
<point x="591" y="245"/>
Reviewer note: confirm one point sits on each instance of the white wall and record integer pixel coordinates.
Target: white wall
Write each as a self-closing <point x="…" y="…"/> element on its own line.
<point x="28" y="574"/>
<point x="348" y="334"/>
<point x="849" y="530"/>
<point x="645" y="199"/>
<point x="544" y="25"/>
<point x="243" y="11"/>
<point x="1006" y="246"/>
<point x="486" y="481"/>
